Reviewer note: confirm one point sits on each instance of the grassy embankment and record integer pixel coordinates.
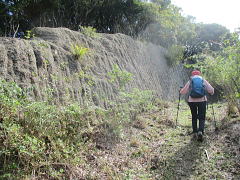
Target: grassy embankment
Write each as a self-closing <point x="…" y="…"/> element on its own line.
<point x="43" y="141"/>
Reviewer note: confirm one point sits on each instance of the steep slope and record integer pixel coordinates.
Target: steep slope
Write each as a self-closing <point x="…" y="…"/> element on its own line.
<point x="46" y="65"/>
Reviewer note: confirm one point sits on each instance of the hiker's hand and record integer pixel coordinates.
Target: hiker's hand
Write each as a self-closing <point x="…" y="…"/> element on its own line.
<point x="180" y="88"/>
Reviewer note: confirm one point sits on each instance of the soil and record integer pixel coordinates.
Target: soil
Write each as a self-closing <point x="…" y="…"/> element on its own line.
<point x="46" y="66"/>
<point x="158" y="150"/>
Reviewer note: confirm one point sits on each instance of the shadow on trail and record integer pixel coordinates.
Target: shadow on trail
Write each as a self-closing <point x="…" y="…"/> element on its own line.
<point x="190" y="159"/>
<point x="182" y="165"/>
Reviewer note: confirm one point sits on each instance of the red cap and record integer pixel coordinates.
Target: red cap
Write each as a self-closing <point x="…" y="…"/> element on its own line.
<point x="196" y="72"/>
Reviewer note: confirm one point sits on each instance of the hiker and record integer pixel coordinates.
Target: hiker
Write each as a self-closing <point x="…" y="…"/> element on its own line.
<point x="197" y="87"/>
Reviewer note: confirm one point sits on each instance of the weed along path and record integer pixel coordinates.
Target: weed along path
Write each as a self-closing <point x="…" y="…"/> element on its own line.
<point x="182" y="157"/>
<point x="154" y="149"/>
<point x="149" y="147"/>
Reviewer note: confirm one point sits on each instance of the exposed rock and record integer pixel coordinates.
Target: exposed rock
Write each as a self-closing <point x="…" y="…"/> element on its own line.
<point x="46" y="65"/>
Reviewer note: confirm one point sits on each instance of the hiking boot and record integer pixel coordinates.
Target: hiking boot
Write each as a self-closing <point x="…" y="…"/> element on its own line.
<point x="200" y="136"/>
<point x="195" y="136"/>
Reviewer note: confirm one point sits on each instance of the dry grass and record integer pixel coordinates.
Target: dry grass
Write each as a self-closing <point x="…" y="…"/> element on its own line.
<point x="151" y="148"/>
<point x="159" y="151"/>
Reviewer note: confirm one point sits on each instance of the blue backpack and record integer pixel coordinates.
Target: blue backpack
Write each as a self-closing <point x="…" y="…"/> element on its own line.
<point x="197" y="88"/>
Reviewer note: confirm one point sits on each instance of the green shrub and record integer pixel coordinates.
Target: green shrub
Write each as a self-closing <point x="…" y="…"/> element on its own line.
<point x="79" y="51"/>
<point x="89" y="31"/>
<point x="43" y="138"/>
<point x="136" y="101"/>
<point x="29" y="34"/>
<point x="174" y="54"/>
<point x="223" y="69"/>
<point x="120" y="76"/>
<point x="36" y="135"/>
<point x="86" y="77"/>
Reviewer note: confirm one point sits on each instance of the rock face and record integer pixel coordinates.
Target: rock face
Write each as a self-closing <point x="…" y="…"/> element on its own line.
<point x="46" y="66"/>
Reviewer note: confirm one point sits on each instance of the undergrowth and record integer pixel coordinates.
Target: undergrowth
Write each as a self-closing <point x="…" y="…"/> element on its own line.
<point x="133" y="138"/>
<point x="41" y="140"/>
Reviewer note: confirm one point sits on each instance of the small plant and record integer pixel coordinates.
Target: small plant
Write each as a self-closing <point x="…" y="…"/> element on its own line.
<point x="63" y="65"/>
<point x="29" y="34"/>
<point x="134" y="142"/>
<point x="89" y="31"/>
<point x="120" y="76"/>
<point x="42" y="44"/>
<point x="67" y="79"/>
<point x="54" y="77"/>
<point x="138" y="99"/>
<point x="79" y="51"/>
<point x="49" y="92"/>
<point x="34" y="74"/>
<point x="88" y="78"/>
<point x="46" y="63"/>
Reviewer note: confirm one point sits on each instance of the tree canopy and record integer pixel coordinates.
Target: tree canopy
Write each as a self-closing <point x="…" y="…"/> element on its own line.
<point x="157" y="21"/>
<point x="109" y="16"/>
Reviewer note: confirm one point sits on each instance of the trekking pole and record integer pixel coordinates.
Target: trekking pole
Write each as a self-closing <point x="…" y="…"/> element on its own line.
<point x="179" y="97"/>
<point x="214" y="119"/>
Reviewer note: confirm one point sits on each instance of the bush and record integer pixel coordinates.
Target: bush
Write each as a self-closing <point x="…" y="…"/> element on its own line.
<point x="79" y="51"/>
<point x="223" y="70"/>
<point x="43" y="139"/>
<point x="119" y="76"/>
<point x="89" y="31"/>
<point x="29" y="34"/>
<point x="35" y="136"/>
<point x="174" y="54"/>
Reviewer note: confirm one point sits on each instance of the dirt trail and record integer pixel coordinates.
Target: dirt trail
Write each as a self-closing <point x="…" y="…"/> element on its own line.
<point x="217" y="157"/>
<point x="154" y="149"/>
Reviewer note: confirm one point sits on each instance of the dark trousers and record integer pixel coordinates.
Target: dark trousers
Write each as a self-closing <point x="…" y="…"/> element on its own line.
<point x="198" y="111"/>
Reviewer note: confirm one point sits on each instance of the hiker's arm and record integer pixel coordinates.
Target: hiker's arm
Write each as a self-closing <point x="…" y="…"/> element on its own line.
<point x="209" y="88"/>
<point x="185" y="89"/>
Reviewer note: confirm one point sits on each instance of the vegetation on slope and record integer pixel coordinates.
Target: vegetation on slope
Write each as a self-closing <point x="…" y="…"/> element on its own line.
<point x="222" y="69"/>
<point x="42" y="141"/>
<point x="134" y="138"/>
